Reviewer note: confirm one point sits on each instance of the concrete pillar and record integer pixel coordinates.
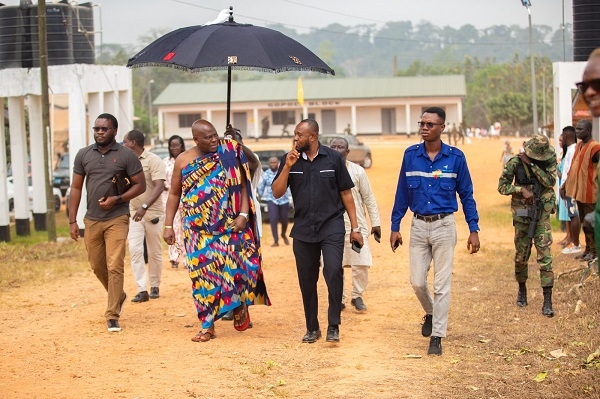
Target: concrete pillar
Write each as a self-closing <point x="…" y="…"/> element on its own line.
<point x="161" y="128"/>
<point x="408" y="130"/>
<point x="353" y="119"/>
<point x="4" y="215"/>
<point x="125" y="117"/>
<point x="38" y="169"/>
<point x="79" y="137"/>
<point x="19" y="162"/>
<point x="257" y="129"/>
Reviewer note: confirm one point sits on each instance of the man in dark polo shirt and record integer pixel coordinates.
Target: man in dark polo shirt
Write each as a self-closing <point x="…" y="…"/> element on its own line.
<point x="321" y="189"/>
<point x="107" y="218"/>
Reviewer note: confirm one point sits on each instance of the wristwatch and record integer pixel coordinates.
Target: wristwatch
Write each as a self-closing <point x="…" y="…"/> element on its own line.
<point x="244" y="215"/>
<point x="119" y="199"/>
<point x="144" y="206"/>
<point x="356" y="230"/>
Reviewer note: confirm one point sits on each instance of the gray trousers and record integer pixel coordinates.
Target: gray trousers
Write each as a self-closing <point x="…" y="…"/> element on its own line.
<point x="433" y="241"/>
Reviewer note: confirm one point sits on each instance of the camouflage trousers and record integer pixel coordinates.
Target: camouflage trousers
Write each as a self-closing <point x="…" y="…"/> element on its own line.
<point x="542" y="240"/>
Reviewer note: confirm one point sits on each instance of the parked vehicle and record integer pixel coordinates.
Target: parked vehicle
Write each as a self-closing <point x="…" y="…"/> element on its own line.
<point x="162" y="151"/>
<point x="359" y="152"/>
<point x="11" y="195"/>
<point x="62" y="173"/>
<point x="265" y="155"/>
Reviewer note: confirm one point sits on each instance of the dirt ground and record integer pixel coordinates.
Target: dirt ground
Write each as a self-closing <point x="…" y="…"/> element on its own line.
<point x="54" y="342"/>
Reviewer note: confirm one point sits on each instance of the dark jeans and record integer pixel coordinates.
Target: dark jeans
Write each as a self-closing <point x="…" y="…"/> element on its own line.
<point x="277" y="214"/>
<point x="307" y="256"/>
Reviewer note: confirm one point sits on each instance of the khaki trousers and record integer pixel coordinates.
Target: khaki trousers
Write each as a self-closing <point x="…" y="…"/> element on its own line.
<point x="105" y="242"/>
<point x="153" y="235"/>
<point x="360" y="278"/>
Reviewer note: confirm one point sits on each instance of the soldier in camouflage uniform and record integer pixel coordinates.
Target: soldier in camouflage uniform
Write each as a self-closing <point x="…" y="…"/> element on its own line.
<point x="532" y="171"/>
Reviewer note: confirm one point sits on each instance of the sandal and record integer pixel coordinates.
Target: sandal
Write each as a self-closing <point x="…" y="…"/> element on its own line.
<point x="241" y="318"/>
<point x="174" y="264"/>
<point x="204" y="335"/>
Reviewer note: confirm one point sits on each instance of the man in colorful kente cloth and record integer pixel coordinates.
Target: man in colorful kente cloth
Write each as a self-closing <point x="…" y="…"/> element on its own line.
<point x="212" y="181"/>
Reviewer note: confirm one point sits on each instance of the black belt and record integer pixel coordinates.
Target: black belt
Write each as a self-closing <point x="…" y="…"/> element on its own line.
<point x="432" y="218"/>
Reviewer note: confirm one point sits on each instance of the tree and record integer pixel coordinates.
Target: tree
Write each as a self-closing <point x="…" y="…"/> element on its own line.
<point x="515" y="108"/>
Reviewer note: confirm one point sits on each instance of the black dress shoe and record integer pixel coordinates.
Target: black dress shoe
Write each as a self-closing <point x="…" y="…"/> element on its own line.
<point x="154" y="293"/>
<point x="141" y="297"/>
<point x="359" y="304"/>
<point x="333" y="334"/>
<point x="435" y="346"/>
<point x="311" y="336"/>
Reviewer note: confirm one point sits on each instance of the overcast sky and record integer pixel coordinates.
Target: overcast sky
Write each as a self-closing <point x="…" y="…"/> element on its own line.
<point x="124" y="21"/>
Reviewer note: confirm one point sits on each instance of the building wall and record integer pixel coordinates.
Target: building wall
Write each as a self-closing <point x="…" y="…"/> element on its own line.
<point x="368" y="114"/>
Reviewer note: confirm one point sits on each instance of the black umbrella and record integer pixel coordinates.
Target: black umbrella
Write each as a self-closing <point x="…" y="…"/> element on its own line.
<point x="229" y="45"/>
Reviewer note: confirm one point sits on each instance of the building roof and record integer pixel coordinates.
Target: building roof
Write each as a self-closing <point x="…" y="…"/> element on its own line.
<point x="327" y="88"/>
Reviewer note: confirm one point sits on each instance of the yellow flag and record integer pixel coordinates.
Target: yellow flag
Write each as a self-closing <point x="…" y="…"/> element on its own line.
<point x="300" y="92"/>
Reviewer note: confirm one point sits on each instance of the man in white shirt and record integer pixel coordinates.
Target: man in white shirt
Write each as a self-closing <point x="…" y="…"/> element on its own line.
<point x="360" y="262"/>
<point x="570" y="141"/>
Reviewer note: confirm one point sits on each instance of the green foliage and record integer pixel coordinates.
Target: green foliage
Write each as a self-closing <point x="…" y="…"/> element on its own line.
<point x="512" y="107"/>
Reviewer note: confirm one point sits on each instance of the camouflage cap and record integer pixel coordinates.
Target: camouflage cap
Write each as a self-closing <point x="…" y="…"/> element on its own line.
<point x="539" y="148"/>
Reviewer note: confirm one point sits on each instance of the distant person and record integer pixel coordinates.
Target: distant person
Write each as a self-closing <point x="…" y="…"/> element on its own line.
<point x="321" y="190"/>
<point x="147" y="218"/>
<point x="507" y="153"/>
<point x="531" y="171"/>
<point x="561" y="205"/>
<point x="107" y="218"/>
<point x="461" y="134"/>
<point x="359" y="262"/>
<point x="212" y="181"/>
<point x="348" y="129"/>
<point x="265" y="124"/>
<point x="589" y="87"/>
<point x="431" y="176"/>
<point x="284" y="131"/>
<point x="582" y="184"/>
<point x="279" y="208"/>
<point x="454" y="134"/>
<point x="176" y="146"/>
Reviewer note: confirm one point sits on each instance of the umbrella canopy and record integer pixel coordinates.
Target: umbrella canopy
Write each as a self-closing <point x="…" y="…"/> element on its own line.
<point x="229" y="45"/>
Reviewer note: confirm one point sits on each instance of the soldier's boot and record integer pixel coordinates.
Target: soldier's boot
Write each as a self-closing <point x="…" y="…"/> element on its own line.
<point x="547" y="306"/>
<point x="522" y="295"/>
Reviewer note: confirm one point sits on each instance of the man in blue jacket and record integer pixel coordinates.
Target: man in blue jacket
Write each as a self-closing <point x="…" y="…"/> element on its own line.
<point x="431" y="175"/>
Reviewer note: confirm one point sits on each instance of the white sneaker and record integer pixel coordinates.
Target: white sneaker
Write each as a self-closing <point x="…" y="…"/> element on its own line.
<point x="572" y="249"/>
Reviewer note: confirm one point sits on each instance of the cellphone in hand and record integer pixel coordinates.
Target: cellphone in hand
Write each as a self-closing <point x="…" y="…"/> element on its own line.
<point x="377" y="236"/>
<point x="396" y="244"/>
<point x="355" y="247"/>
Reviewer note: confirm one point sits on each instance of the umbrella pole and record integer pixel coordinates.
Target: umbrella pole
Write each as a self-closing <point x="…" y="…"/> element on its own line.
<point x="228" y="95"/>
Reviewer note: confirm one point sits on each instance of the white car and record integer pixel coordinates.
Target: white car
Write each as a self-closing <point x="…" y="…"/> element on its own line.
<point x="11" y="195"/>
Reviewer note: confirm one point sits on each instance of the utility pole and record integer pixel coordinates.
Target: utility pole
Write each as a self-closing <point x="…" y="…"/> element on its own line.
<point x="527" y="3"/>
<point x="43" y="54"/>
<point x="150" y="105"/>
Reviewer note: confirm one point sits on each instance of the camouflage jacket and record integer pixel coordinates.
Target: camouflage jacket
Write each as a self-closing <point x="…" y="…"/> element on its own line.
<point x="546" y="176"/>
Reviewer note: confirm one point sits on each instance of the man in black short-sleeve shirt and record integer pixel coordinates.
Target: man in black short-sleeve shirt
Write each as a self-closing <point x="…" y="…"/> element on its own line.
<point x="321" y="189"/>
<point x="107" y="218"/>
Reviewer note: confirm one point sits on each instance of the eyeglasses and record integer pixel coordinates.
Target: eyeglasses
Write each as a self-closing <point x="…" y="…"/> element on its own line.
<point x="583" y="86"/>
<point x="429" y="125"/>
<point x="103" y="129"/>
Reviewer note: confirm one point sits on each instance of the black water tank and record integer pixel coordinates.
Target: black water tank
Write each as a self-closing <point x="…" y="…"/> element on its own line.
<point x="59" y="31"/>
<point x="586" y="28"/>
<point x="12" y="36"/>
<point x="84" y="49"/>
